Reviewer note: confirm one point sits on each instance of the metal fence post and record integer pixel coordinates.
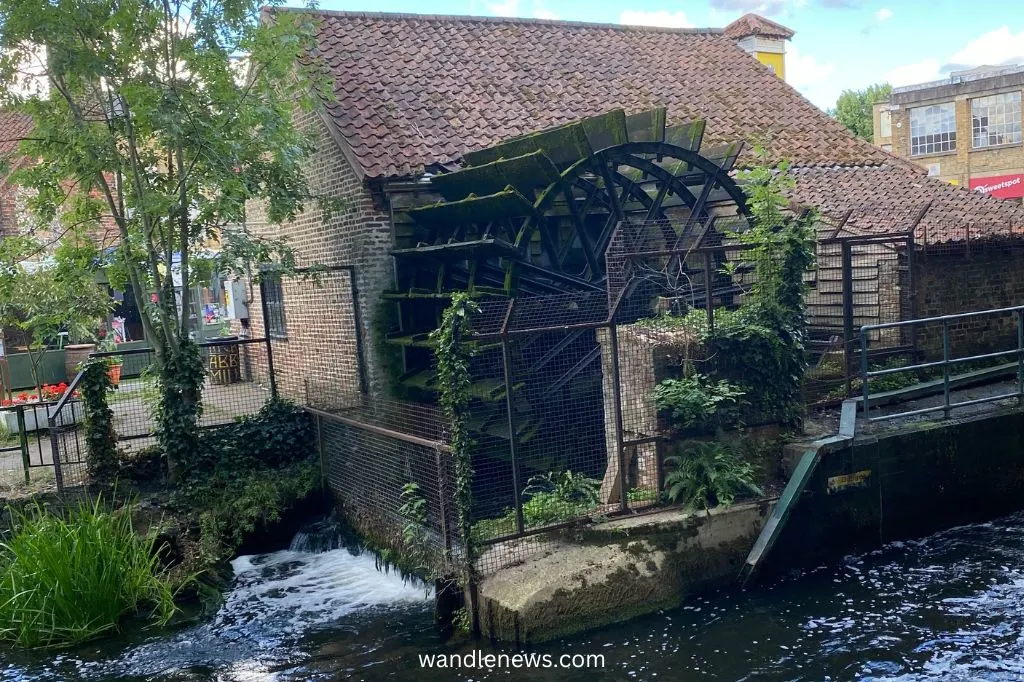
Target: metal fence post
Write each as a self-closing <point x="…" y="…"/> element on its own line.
<point x="444" y="501"/>
<point x="945" y="367"/>
<point x="324" y="482"/>
<point x="848" y="337"/>
<point x="1020" y="356"/>
<point x="270" y="347"/>
<point x="506" y="357"/>
<point x="23" y="442"/>
<point x="865" y="389"/>
<point x="58" y="475"/>
<point x="617" y="397"/>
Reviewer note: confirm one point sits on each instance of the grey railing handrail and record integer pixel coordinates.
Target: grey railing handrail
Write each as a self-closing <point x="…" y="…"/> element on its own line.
<point x="947" y="405"/>
<point x="65" y="398"/>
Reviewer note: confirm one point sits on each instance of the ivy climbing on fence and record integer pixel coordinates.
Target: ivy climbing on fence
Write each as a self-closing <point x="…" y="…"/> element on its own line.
<point x="453" y="355"/>
<point x="100" y="439"/>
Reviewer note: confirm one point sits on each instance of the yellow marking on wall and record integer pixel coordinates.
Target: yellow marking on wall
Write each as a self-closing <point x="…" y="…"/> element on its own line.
<point x="857" y="479"/>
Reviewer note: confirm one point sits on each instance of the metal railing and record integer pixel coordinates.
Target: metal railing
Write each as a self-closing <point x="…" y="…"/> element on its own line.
<point x="945" y="363"/>
<point x="26" y="425"/>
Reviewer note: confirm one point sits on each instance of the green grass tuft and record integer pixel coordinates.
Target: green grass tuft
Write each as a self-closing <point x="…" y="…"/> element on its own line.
<point x="68" y="579"/>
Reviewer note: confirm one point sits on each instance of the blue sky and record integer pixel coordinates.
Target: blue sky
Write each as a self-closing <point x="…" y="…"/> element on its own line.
<point x="838" y="44"/>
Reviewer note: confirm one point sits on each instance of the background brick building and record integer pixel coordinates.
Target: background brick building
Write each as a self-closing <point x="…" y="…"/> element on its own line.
<point x="965" y="130"/>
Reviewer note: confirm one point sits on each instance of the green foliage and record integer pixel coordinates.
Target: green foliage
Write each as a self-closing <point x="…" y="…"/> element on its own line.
<point x="697" y="401"/>
<point x="761" y="347"/>
<point x="415" y="533"/>
<point x="854" y="109"/>
<point x="143" y="466"/>
<point x="248" y="501"/>
<point x="100" y="439"/>
<point x="886" y="382"/>
<point x="453" y="356"/>
<point x="554" y="497"/>
<point x="153" y="123"/>
<point x="707" y="474"/>
<point x="62" y="296"/>
<point x="767" y="361"/>
<point x="65" y="580"/>
<point x="557" y="497"/>
<point x="461" y="621"/>
<point x="244" y="476"/>
<point x="180" y="381"/>
<point x="280" y="434"/>
<point x="642" y="495"/>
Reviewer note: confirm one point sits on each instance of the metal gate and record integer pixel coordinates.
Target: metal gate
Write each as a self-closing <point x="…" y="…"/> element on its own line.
<point x="864" y="280"/>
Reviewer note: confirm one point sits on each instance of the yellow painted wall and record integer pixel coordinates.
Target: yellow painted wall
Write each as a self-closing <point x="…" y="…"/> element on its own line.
<point x="775" y="60"/>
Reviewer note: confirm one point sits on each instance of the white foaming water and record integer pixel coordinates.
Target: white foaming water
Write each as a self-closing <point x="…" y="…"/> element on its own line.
<point x="288" y="593"/>
<point x="275" y="600"/>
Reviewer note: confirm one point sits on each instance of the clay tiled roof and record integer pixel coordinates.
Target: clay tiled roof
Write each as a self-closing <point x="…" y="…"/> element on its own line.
<point x="13" y="127"/>
<point x="891" y="197"/>
<point x="754" y="25"/>
<point x="413" y="89"/>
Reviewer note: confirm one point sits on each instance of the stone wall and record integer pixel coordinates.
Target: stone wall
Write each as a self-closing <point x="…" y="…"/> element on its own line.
<point x="321" y="343"/>
<point x="957" y="282"/>
<point x="646" y="357"/>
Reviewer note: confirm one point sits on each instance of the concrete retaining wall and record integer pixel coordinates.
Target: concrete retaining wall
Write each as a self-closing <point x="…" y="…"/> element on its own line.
<point x="900" y="484"/>
<point x="617" y="570"/>
<point x="907" y="483"/>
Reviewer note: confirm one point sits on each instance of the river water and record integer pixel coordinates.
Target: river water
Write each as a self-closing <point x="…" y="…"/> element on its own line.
<point x="949" y="607"/>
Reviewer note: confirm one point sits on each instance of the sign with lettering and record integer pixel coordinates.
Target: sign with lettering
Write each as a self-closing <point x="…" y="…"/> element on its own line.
<point x="1000" y="186"/>
<point x="223" y="364"/>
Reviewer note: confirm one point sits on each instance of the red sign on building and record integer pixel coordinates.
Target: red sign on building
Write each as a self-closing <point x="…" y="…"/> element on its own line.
<point x="1001" y="186"/>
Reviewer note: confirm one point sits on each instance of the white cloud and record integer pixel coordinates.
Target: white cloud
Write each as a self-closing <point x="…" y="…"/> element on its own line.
<point x="995" y="47"/>
<point x="542" y="12"/>
<point x="883" y="14"/>
<point x="511" y="8"/>
<point x="911" y="74"/>
<point x="803" y="71"/>
<point x="813" y="79"/>
<point x="508" y="8"/>
<point x="658" y="18"/>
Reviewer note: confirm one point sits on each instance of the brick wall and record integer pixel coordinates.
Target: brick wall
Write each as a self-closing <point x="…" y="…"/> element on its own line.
<point x="321" y="320"/>
<point x="956" y="282"/>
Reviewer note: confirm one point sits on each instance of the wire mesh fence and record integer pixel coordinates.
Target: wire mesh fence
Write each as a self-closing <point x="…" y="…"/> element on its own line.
<point x="237" y="384"/>
<point x="563" y="415"/>
<point x="391" y="474"/>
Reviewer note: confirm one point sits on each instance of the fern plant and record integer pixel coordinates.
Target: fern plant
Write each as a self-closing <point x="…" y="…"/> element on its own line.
<point x="708" y="474"/>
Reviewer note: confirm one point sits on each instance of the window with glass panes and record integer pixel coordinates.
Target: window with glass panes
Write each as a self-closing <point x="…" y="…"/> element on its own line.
<point x="274" y="296"/>
<point x="995" y="120"/>
<point x="933" y="129"/>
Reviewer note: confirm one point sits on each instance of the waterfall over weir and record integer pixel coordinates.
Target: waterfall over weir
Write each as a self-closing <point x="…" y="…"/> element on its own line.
<point x="276" y="602"/>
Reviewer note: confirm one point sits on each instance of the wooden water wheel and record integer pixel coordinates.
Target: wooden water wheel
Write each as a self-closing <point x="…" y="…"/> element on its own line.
<point x="534" y="216"/>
